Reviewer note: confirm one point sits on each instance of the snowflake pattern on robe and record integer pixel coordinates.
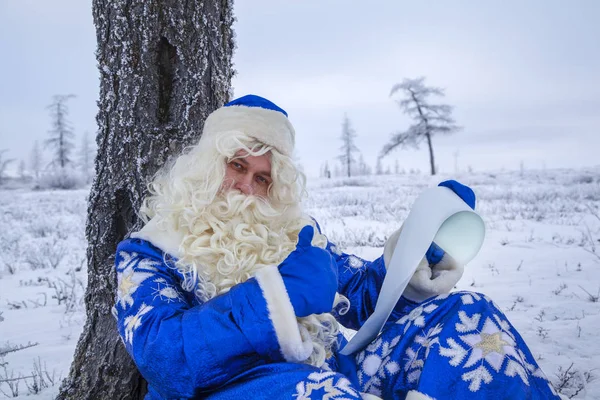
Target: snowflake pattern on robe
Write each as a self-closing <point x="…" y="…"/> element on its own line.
<point x="375" y="364"/>
<point x="335" y="250"/>
<point x="481" y="345"/>
<point x="406" y="358"/>
<point x="166" y="292"/>
<point x="417" y="316"/>
<point x="131" y="272"/>
<point x="325" y="385"/>
<point x="417" y="353"/>
<point x="133" y="322"/>
<point x="355" y="262"/>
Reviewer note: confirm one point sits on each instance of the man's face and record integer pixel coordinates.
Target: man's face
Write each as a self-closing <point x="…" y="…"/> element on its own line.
<point x="250" y="175"/>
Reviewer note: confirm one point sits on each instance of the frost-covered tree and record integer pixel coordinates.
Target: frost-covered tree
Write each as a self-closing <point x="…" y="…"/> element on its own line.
<point x="22" y="170"/>
<point x="378" y="167"/>
<point x="363" y="168"/>
<point x="337" y="171"/>
<point x="61" y="134"/>
<point x="325" y="171"/>
<point x="164" y="66"/>
<point x="4" y="163"/>
<point x="87" y="153"/>
<point x="456" y="154"/>
<point x="35" y="160"/>
<point x="348" y="147"/>
<point x="429" y="119"/>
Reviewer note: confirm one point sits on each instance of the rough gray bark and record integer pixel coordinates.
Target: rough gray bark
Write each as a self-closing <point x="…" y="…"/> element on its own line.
<point x="164" y="66"/>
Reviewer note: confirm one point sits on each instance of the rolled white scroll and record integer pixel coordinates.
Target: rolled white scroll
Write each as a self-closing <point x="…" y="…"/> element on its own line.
<point x="438" y="215"/>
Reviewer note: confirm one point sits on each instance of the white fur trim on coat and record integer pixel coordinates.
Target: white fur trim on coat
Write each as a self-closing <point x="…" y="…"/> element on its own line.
<point x="167" y="240"/>
<point x="414" y="395"/>
<point x="267" y="126"/>
<point x="294" y="340"/>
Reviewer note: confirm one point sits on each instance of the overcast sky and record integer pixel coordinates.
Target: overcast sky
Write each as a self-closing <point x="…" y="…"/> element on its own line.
<point x="523" y="76"/>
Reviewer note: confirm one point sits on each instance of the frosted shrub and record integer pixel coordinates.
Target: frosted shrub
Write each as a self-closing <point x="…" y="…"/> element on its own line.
<point x="68" y="292"/>
<point x="62" y="178"/>
<point x="47" y="255"/>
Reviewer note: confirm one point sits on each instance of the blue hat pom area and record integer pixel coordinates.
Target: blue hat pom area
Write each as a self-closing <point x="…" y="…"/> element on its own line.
<point x="256" y="117"/>
<point x="252" y="100"/>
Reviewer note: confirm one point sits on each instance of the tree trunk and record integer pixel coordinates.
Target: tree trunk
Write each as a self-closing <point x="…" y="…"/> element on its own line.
<point x="431" y="159"/>
<point x="164" y="66"/>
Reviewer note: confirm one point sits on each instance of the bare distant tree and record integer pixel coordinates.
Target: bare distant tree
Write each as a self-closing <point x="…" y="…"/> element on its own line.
<point x="325" y="172"/>
<point x="4" y="163"/>
<point x="429" y="119"/>
<point x="363" y="167"/>
<point x="348" y="147"/>
<point x="22" y="170"/>
<point x="456" y="154"/>
<point x="36" y="160"/>
<point x="337" y="171"/>
<point x="61" y="134"/>
<point x="378" y="167"/>
<point x="163" y="67"/>
<point x="87" y="152"/>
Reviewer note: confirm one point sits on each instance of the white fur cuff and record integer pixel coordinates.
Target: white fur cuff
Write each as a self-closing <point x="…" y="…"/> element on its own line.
<point x="428" y="281"/>
<point x="414" y="395"/>
<point x="295" y="343"/>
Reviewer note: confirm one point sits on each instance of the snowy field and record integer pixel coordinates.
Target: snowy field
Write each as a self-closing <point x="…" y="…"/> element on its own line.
<point x="540" y="263"/>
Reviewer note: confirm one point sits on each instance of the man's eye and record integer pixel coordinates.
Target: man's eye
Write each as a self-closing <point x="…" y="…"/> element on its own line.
<point x="236" y="165"/>
<point x="262" y="180"/>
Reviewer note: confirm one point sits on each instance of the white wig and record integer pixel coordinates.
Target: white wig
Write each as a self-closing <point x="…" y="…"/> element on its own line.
<point x="227" y="237"/>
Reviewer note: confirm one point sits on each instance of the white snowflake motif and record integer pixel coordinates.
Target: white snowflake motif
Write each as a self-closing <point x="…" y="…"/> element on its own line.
<point x="355" y="262"/>
<point x="335" y="250"/>
<point x="133" y="322"/>
<point x="130" y="276"/>
<point x="417" y="316"/>
<point x="165" y="292"/>
<point x="488" y="347"/>
<point x="323" y="385"/>
<point x="415" y="356"/>
<point x="468" y="298"/>
<point x="375" y="364"/>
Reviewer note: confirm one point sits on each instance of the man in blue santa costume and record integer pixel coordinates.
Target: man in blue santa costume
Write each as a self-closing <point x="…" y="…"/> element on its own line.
<point x="230" y="291"/>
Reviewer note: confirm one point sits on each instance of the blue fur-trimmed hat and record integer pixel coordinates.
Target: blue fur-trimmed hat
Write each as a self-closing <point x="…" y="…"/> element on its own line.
<point x="257" y="117"/>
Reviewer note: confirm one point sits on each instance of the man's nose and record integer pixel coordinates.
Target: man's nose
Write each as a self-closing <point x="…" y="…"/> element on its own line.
<point x="244" y="184"/>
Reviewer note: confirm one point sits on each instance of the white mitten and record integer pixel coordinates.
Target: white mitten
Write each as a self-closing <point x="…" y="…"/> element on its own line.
<point x="427" y="281"/>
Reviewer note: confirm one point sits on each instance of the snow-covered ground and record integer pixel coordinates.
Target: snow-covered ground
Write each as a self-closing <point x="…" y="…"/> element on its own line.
<point x="540" y="263"/>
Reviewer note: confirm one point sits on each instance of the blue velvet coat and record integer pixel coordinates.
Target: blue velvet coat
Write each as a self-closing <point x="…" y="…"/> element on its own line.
<point x="246" y="344"/>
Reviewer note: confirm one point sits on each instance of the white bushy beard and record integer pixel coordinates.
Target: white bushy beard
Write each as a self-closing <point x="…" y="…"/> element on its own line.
<point x="237" y="235"/>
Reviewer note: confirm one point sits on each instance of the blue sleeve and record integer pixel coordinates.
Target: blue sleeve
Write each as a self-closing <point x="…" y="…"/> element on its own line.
<point x="360" y="281"/>
<point x="183" y="349"/>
